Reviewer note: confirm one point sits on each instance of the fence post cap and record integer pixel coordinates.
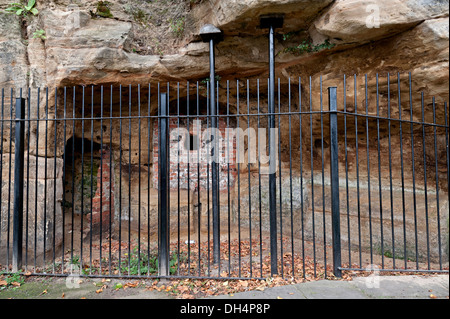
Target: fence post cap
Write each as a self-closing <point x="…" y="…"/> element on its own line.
<point x="210" y="32"/>
<point x="271" y="20"/>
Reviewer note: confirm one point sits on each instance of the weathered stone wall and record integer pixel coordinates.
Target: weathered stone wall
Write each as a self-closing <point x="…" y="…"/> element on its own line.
<point x="43" y="196"/>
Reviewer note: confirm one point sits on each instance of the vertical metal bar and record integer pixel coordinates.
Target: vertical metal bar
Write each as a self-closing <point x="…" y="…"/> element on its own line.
<point x="163" y="264"/>
<point x="413" y="177"/>
<point x="368" y="169"/>
<point x="228" y="177"/>
<point x="301" y="172"/>
<point x="92" y="181"/>
<point x="390" y="170"/>
<point x="259" y="186"/>
<point x="54" y="180"/>
<point x="120" y="179"/>
<point x="279" y="180"/>
<point x="218" y="155"/>
<point x="45" y="173"/>
<point x="36" y="184"/>
<point x="101" y="179"/>
<point x="82" y="175"/>
<point x="9" y="179"/>
<point x="437" y="186"/>
<point x="401" y="163"/>
<point x="334" y="167"/>
<point x="188" y="119"/>
<point x="208" y="118"/>
<point x="199" y="205"/>
<point x="129" y="179"/>
<point x="139" y="181"/>
<point x="73" y="175"/>
<point x="64" y="183"/>
<point x="249" y="181"/>
<point x="323" y="180"/>
<point x="28" y="175"/>
<point x="448" y="151"/>
<point x="312" y="175"/>
<point x="178" y="178"/>
<point x="346" y="173"/>
<point x="168" y="171"/>
<point x="18" y="184"/>
<point x="149" y="143"/>
<point x="379" y="174"/>
<point x="238" y="174"/>
<point x="214" y="164"/>
<point x="272" y="155"/>
<point x="290" y="179"/>
<point x="111" y="179"/>
<point x="1" y="157"/>
<point x="357" y="170"/>
<point x="425" y="180"/>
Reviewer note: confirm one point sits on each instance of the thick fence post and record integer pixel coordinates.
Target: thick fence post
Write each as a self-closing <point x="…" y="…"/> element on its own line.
<point x="18" y="185"/>
<point x="334" y="167"/>
<point x="212" y="35"/>
<point x="271" y="22"/>
<point x="164" y="209"/>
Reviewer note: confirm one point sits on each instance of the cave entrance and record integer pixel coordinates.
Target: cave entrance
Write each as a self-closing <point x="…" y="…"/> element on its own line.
<point x="82" y="161"/>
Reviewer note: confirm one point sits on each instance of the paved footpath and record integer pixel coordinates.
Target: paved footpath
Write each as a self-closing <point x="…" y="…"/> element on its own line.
<point x="382" y="287"/>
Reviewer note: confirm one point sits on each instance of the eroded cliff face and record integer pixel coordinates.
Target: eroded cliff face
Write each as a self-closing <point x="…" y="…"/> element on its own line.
<point x="151" y="41"/>
<point x="139" y="42"/>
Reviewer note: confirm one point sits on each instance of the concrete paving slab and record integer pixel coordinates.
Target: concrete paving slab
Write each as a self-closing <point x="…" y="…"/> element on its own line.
<point x="282" y="292"/>
<point x="403" y="286"/>
<point x="329" y="289"/>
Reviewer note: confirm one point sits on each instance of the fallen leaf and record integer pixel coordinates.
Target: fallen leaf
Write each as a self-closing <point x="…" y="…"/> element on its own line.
<point x="433" y="296"/>
<point x="278" y="297"/>
<point x="3" y="283"/>
<point x="183" y="289"/>
<point x="16" y="284"/>
<point x="99" y="290"/>
<point x="63" y="295"/>
<point x="43" y="293"/>
<point x="132" y="284"/>
<point x="28" y="273"/>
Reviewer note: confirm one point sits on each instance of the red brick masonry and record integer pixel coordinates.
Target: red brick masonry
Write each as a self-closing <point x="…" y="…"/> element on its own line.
<point x="103" y="201"/>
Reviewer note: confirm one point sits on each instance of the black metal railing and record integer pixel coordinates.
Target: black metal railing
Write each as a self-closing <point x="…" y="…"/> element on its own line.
<point x="118" y="180"/>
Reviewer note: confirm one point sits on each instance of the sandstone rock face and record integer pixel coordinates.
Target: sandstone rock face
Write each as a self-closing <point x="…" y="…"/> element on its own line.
<point x="42" y="223"/>
<point x="355" y="21"/>
<point x="13" y="53"/>
<point x="81" y="49"/>
<point x="236" y="17"/>
<point x="144" y="43"/>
